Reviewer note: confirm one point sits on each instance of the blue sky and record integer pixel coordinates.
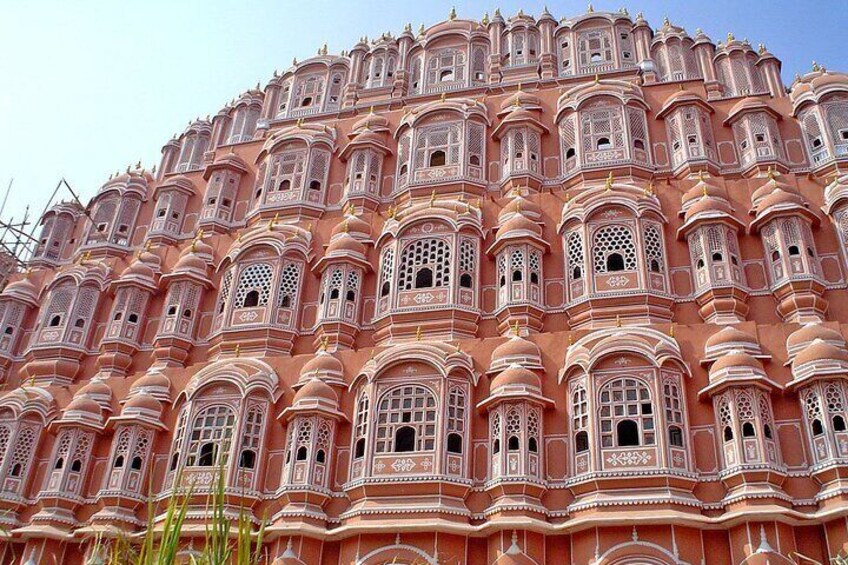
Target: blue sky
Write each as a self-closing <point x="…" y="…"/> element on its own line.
<point x="87" y="88"/>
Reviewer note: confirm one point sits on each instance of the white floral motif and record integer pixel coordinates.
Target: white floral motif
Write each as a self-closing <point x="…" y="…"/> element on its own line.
<point x="629" y="458"/>
<point x="617" y="281"/>
<point x="248" y="316"/>
<point x="403" y="465"/>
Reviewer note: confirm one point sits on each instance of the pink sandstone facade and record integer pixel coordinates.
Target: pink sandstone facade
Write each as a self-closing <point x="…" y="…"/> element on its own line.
<point x="512" y="291"/>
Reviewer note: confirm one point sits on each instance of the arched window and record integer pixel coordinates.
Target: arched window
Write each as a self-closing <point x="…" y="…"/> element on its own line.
<point x="429" y="255"/>
<point x="613" y="249"/>
<point x="254" y="286"/>
<point x="361" y="426"/>
<point x="406" y="420"/>
<point x="581" y="442"/>
<point x="626" y="414"/>
<point x="437" y="158"/>
<point x="211" y="434"/>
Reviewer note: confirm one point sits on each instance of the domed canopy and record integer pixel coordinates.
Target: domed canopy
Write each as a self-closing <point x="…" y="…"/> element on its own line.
<point x="23" y="290"/>
<point x="819" y="359"/>
<point x="515" y="351"/>
<point x="737" y="367"/>
<point x="730" y="339"/>
<point x="519" y="204"/>
<point x="353" y="225"/>
<point x="516" y="376"/>
<point x="805" y="335"/>
<point x="142" y="401"/>
<point x="314" y="396"/>
<point x="323" y="366"/>
<point x="155" y="384"/>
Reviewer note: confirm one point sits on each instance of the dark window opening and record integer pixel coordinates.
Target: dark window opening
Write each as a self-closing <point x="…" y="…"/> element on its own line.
<point x="60" y="462"/>
<point x="286" y="302"/>
<point x="172" y="310"/>
<point x="465" y="280"/>
<point x="315" y="185"/>
<point x="350" y="296"/>
<point x="117" y="317"/>
<point x="187" y="313"/>
<point x="207" y="455"/>
<point x="174" y="460"/>
<point x="728" y="433"/>
<point x="767" y="431"/>
<point x="321" y="456"/>
<point x="838" y="424"/>
<point x="502" y="281"/>
<point x="79" y="323"/>
<point x="306" y="101"/>
<point x="384" y="290"/>
<point x="581" y="442"/>
<point x="285" y="184"/>
<point x="748" y="430"/>
<point x="604" y="143"/>
<point x="570" y="152"/>
<point x="454" y="443"/>
<point x="717" y="257"/>
<point x="334" y="294"/>
<point x="793" y="250"/>
<point x="132" y="318"/>
<point x="517" y="276"/>
<point x="135" y="464"/>
<point x="628" y="433"/>
<point x="405" y="439"/>
<point x="302" y="452"/>
<point x="639" y="144"/>
<point x="437" y="158"/>
<point x="512" y="443"/>
<point x="247" y="459"/>
<point x="16" y="470"/>
<point x="615" y="262"/>
<point x="55" y="321"/>
<point x="655" y="266"/>
<point x="76" y="465"/>
<point x="119" y="462"/>
<point x="359" y="451"/>
<point x="533" y="445"/>
<point x="534" y="278"/>
<point x="818" y="429"/>
<point x="424" y="278"/>
<point x="576" y="273"/>
<point x="251" y="299"/>
<point x="474" y="160"/>
<point x="496" y="447"/>
<point x="9" y="330"/>
<point x="675" y="436"/>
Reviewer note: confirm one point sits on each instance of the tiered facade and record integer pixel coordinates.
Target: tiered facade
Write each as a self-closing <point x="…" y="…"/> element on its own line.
<point x="517" y="290"/>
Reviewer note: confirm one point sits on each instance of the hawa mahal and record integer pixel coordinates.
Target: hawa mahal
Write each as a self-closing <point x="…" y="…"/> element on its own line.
<point x="523" y="290"/>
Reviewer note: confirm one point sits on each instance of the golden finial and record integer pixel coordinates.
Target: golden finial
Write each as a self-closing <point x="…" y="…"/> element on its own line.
<point x="138" y="165"/>
<point x="452" y="14"/>
<point x="761" y="48"/>
<point x="324" y="49"/>
<point x="479" y="204"/>
<point x="153" y="170"/>
<point x="515" y="331"/>
<point x="519" y="86"/>
<point x="770" y="173"/>
<point x="309" y="227"/>
<point x="86" y="256"/>
<point x="609" y="182"/>
<point x="570" y="339"/>
<point x="590" y="9"/>
<point x="597" y="79"/>
<point x="272" y="221"/>
<point x="421" y="29"/>
<point x="32" y="381"/>
<point x="325" y="341"/>
<point x="649" y="190"/>
<point x="617" y="321"/>
<point x="485" y="20"/>
<point x="433" y="198"/>
<point x="701" y="175"/>
<point x="238" y="350"/>
<point x="128" y="168"/>
<point x="418" y="333"/>
<point x="391" y="212"/>
<point x="238" y="237"/>
<point x="444" y="97"/>
<point x="671" y="330"/>
<point x="345" y="227"/>
<point x="730" y="37"/>
<point x="371" y="111"/>
<point x="567" y="197"/>
<point x="666" y="22"/>
<point x="704" y="190"/>
<point x="520" y="12"/>
<point x="300" y="122"/>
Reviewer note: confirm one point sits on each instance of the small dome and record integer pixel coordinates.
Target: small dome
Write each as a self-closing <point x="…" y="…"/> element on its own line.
<point x="94" y="389"/>
<point x="345" y="243"/>
<point x="516" y="376"/>
<point x="708" y="205"/>
<point x="372" y="122"/>
<point x="142" y="401"/>
<point x="779" y="198"/>
<point x="801" y="337"/>
<point x="516" y="351"/>
<point x="354" y="225"/>
<point x="735" y="360"/>
<point x="320" y="366"/>
<point x="85" y="405"/>
<point x="23" y="288"/>
<point x="729" y="337"/>
<point x="316" y="390"/>
<point x="702" y="188"/>
<point x="519" y="224"/>
<point x="521" y="205"/>
<point x="820" y="350"/>
<point x="154" y="383"/>
<point x="520" y="99"/>
<point x="141" y="267"/>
